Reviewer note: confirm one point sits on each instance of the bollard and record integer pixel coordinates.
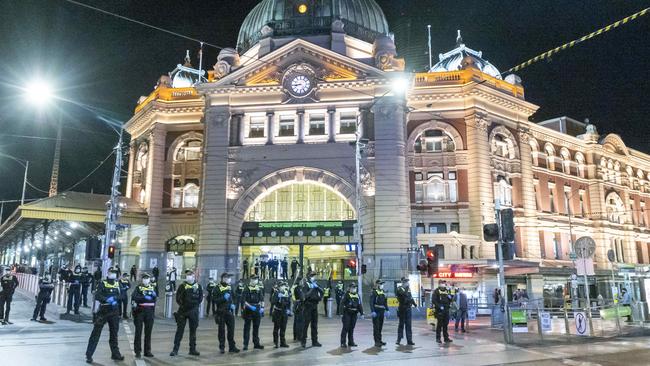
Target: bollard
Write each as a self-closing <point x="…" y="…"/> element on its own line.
<point x="169" y="304"/>
<point x="55" y="292"/>
<point x="566" y="321"/>
<point x="330" y="306"/>
<point x="64" y="301"/>
<point x="539" y="323"/>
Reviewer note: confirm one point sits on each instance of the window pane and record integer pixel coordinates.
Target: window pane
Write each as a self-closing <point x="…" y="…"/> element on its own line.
<point x="257" y="127"/>
<point x="317" y="124"/>
<point x="287" y="124"/>
<point x="348" y="123"/>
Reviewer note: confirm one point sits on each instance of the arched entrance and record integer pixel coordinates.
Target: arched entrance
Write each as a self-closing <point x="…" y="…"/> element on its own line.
<point x="306" y="222"/>
<point x="181" y="251"/>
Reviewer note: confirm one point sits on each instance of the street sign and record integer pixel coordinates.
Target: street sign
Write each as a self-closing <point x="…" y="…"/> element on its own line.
<point x="581" y="323"/>
<point x="547" y="324"/>
<point x="471" y="314"/>
<point x="585" y="265"/>
<point x="615" y="294"/>
<point x="585" y="247"/>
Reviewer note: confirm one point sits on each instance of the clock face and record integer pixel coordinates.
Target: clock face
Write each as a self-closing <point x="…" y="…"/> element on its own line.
<point x="300" y="85"/>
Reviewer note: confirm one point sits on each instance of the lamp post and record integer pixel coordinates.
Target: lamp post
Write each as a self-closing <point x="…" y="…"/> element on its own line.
<point x="25" y="164"/>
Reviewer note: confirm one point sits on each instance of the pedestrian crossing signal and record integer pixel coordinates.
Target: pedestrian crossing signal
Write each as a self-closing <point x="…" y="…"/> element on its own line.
<point x="352" y="265"/>
<point x="111" y="251"/>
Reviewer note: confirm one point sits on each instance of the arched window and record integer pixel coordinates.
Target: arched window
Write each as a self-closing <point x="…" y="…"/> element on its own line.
<point x="434" y="140"/>
<point x="566" y="160"/>
<point x="189" y="150"/>
<point x="186" y="196"/>
<point x="615" y="208"/>
<point x="503" y="192"/>
<point x="550" y="156"/>
<point x="580" y="160"/>
<point x="534" y="151"/>
<point x="186" y="153"/>
<point x="140" y="172"/>
<point x="142" y="157"/>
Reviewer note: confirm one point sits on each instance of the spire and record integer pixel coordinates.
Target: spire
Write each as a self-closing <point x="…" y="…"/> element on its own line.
<point x="459" y="39"/>
<point x="188" y="60"/>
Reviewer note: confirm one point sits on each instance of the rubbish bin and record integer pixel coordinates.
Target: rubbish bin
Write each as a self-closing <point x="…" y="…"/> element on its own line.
<point x="330" y="307"/>
<point x="169" y="304"/>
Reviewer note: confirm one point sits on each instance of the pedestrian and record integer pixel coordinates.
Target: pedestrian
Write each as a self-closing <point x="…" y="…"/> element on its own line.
<point x="239" y="293"/>
<point x="144" y="309"/>
<point x="339" y="292"/>
<point x="74" y="291"/>
<point x="209" y="288"/>
<point x="45" y="287"/>
<point x="461" y="313"/>
<point x="256" y="267"/>
<point x="442" y="299"/>
<point x="8" y="285"/>
<point x="294" y="267"/>
<point x="351" y="309"/>
<point x="298" y="315"/>
<point x="285" y="269"/>
<point x="252" y="312"/>
<point x="171" y="279"/>
<point x="280" y="312"/>
<point x="64" y="273"/>
<point x="378" y="308"/>
<point x="312" y="296"/>
<point x="155" y="272"/>
<point x="107" y="295"/>
<point x="134" y="273"/>
<point x="224" y="309"/>
<point x="125" y="285"/>
<point x="245" y="268"/>
<point x="263" y="265"/>
<point x="86" y="280"/>
<point x="405" y="300"/>
<point x="326" y="295"/>
<point x="188" y="298"/>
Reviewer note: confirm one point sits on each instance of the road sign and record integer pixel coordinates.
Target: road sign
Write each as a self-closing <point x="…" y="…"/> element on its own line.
<point x="585" y="247"/>
<point x="581" y="323"/>
<point x="547" y="324"/>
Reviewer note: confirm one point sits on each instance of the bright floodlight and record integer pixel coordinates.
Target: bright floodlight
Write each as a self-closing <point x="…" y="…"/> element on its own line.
<point x="400" y="85"/>
<point x="38" y="93"/>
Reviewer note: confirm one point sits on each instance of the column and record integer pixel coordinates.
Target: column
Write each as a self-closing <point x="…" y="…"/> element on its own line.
<point x="480" y="191"/>
<point x="331" y="124"/>
<point x="269" y="128"/>
<point x="301" y="126"/>
<point x="529" y="235"/>
<point x="129" y="179"/>
<point x="215" y="251"/>
<point x="153" y="245"/>
<point x="240" y="129"/>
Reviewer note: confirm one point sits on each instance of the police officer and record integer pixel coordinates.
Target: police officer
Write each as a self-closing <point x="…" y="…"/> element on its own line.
<point x="298" y="316"/>
<point x="326" y="295"/>
<point x="74" y="290"/>
<point x="225" y="306"/>
<point x="125" y="285"/>
<point x="188" y="297"/>
<point x="45" y="287"/>
<point x="253" y="309"/>
<point x="8" y="284"/>
<point x="442" y="299"/>
<point x="351" y="309"/>
<point x="280" y="311"/>
<point x="209" y="305"/>
<point x="86" y="280"/>
<point x="143" y="301"/>
<point x="312" y="296"/>
<point x="405" y="300"/>
<point x="107" y="311"/>
<point x="339" y="292"/>
<point x="239" y="293"/>
<point x="378" y="307"/>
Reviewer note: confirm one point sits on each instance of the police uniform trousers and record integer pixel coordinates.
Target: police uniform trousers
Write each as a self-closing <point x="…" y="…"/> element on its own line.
<point x="338" y="305"/>
<point x="310" y="315"/>
<point x="143" y="318"/>
<point x="254" y="318"/>
<point x="5" y="305"/>
<point x="84" y="295"/>
<point x="442" y="323"/>
<point x="208" y="305"/>
<point x="41" y="305"/>
<point x="349" y="320"/>
<point x="378" y="325"/>
<point x="280" y="320"/>
<point x="74" y="297"/>
<point x="298" y="321"/>
<point x="226" y="322"/>
<point x="101" y="318"/>
<point x="182" y="317"/>
<point x="404" y="315"/>
<point x="124" y="302"/>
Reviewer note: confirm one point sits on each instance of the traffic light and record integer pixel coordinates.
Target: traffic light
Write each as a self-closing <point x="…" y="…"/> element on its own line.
<point x="491" y="232"/>
<point x="432" y="261"/>
<point x="364" y="269"/>
<point x="111" y="251"/>
<point x="422" y="263"/>
<point x="352" y="265"/>
<point x="508" y="225"/>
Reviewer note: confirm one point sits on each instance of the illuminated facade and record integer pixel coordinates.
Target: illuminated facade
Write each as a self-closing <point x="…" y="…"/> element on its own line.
<point x="263" y="143"/>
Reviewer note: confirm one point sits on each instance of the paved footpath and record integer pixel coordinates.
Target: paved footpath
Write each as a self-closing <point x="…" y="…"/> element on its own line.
<point x="63" y="342"/>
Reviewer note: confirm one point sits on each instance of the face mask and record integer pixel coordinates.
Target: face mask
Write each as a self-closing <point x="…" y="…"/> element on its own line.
<point x="228" y="281"/>
<point x="77" y="271"/>
<point x="405" y="284"/>
<point x="190" y="279"/>
<point x="253" y="282"/>
<point x="146" y="281"/>
<point x="353" y="290"/>
<point x="111" y="276"/>
<point x="283" y="288"/>
<point x="381" y="287"/>
<point x="312" y="280"/>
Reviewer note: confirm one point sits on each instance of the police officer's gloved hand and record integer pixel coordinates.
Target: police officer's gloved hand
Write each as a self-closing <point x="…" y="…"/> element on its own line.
<point x="147" y="297"/>
<point x="262" y="311"/>
<point x="226" y="296"/>
<point x="253" y="308"/>
<point x="110" y="300"/>
<point x="442" y="307"/>
<point x="288" y="312"/>
<point x="232" y="307"/>
<point x="373" y="314"/>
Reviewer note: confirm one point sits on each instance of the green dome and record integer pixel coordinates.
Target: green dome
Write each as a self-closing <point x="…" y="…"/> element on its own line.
<point x="363" y="19"/>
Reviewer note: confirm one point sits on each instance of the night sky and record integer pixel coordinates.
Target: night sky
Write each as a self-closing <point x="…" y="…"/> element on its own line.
<point x="108" y="63"/>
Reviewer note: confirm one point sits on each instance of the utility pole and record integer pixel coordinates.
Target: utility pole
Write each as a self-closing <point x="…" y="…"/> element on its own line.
<point x="430" y="55"/>
<point x="113" y="209"/>
<point x="54" y="180"/>
<point x="359" y="231"/>
<point x="507" y="326"/>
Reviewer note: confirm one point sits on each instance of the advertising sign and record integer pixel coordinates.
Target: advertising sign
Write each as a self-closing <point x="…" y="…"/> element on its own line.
<point x="519" y="321"/>
<point x="547" y="324"/>
<point x="581" y="323"/>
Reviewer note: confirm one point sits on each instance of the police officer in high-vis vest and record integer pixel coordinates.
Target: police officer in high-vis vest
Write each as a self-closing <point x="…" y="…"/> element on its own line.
<point x="106" y="311"/>
<point x="188" y="297"/>
<point x="312" y="296"/>
<point x="224" y="312"/>
<point x="352" y="307"/>
<point x="209" y="288"/>
<point x="74" y="291"/>
<point x="298" y="318"/>
<point x="406" y="301"/>
<point x="339" y="292"/>
<point x="441" y="299"/>
<point x="379" y="308"/>
<point x="125" y="285"/>
<point x="45" y="288"/>
<point x="253" y="309"/>
<point x="143" y="301"/>
<point x="326" y="295"/>
<point x="280" y="311"/>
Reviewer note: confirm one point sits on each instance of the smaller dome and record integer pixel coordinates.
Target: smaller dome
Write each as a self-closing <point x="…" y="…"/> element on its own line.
<point x="462" y="56"/>
<point x="185" y="76"/>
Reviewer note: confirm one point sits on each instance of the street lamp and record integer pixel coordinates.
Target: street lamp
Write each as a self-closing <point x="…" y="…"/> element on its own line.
<point x="38" y="93"/>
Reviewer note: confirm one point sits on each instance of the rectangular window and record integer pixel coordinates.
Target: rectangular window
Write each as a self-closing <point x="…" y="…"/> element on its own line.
<point x="437" y="228"/>
<point x="642" y="215"/>
<point x="551" y="198"/>
<point x="582" y="204"/>
<point x="557" y="249"/>
<point x="256" y="129"/>
<point x="440" y="251"/>
<point x="317" y="124"/>
<point x="455" y="227"/>
<point x="419" y="187"/>
<point x="287" y="126"/>
<point x="348" y="123"/>
<point x="420" y="228"/>
<point x="536" y="197"/>
<point x="567" y="202"/>
<point x="453" y="187"/>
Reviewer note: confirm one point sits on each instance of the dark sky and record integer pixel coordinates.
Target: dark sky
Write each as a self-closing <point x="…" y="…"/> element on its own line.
<point x="108" y="63"/>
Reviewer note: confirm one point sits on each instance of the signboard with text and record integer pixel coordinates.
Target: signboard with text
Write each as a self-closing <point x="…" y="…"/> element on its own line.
<point x="519" y="321"/>
<point x="453" y="275"/>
